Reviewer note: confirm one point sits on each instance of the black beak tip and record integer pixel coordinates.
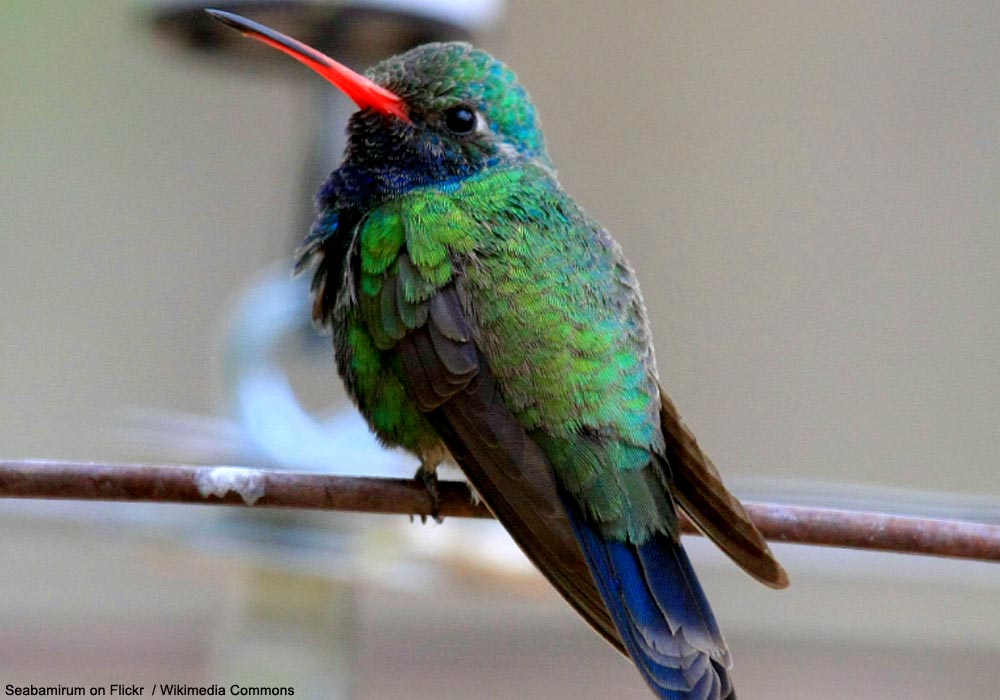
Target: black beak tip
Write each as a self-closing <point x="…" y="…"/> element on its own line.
<point x="227" y="18"/>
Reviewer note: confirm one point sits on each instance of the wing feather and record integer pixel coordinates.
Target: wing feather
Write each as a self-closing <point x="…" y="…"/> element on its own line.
<point x="451" y="381"/>
<point x="699" y="491"/>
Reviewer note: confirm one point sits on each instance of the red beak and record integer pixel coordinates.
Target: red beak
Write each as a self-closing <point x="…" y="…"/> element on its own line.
<point x="363" y="91"/>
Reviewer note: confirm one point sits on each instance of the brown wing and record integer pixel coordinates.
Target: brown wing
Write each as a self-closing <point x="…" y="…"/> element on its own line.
<point x="450" y="381"/>
<point x="699" y="491"/>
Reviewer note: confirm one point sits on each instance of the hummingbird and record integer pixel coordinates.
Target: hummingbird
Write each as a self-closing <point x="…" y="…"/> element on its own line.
<point x="479" y="316"/>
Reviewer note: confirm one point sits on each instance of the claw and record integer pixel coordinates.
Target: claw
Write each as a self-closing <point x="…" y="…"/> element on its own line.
<point x="474" y="495"/>
<point x="428" y="476"/>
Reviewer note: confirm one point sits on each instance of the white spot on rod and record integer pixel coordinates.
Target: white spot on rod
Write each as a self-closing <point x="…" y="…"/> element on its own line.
<point x="248" y="483"/>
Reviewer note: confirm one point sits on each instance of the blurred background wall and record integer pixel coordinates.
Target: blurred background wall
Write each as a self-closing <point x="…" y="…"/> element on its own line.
<point x="810" y="193"/>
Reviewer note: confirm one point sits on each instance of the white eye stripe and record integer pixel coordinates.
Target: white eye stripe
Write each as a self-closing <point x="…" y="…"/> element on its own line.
<point x="507" y="150"/>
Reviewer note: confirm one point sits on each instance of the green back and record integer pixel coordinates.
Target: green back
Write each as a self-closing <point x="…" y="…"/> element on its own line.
<point x="557" y="315"/>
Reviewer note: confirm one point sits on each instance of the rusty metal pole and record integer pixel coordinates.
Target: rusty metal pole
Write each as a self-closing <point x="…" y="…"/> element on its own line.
<point x="259" y="488"/>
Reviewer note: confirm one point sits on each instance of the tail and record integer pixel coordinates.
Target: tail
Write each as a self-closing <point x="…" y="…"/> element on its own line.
<point x="662" y="614"/>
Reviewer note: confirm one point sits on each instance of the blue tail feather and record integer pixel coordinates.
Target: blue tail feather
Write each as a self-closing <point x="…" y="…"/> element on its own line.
<point x="661" y="611"/>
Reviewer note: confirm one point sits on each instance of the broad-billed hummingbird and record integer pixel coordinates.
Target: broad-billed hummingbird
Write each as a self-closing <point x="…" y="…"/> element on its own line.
<point x="480" y="316"/>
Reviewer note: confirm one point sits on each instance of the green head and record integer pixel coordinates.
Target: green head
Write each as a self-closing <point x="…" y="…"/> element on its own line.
<point x="436" y="112"/>
<point x="464" y="106"/>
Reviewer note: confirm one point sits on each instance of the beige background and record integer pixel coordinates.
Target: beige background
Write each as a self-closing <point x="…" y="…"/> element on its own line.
<point x="809" y="191"/>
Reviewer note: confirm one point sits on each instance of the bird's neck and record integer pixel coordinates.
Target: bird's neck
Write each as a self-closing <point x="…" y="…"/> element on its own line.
<point x="361" y="184"/>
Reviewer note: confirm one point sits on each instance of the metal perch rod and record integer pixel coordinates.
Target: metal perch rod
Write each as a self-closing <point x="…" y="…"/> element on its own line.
<point x="262" y="488"/>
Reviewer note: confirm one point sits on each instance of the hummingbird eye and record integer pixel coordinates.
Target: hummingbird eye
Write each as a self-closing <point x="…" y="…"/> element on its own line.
<point x="460" y="120"/>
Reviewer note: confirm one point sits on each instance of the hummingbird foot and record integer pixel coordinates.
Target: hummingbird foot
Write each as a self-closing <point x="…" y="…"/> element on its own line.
<point x="474" y="495"/>
<point x="427" y="475"/>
